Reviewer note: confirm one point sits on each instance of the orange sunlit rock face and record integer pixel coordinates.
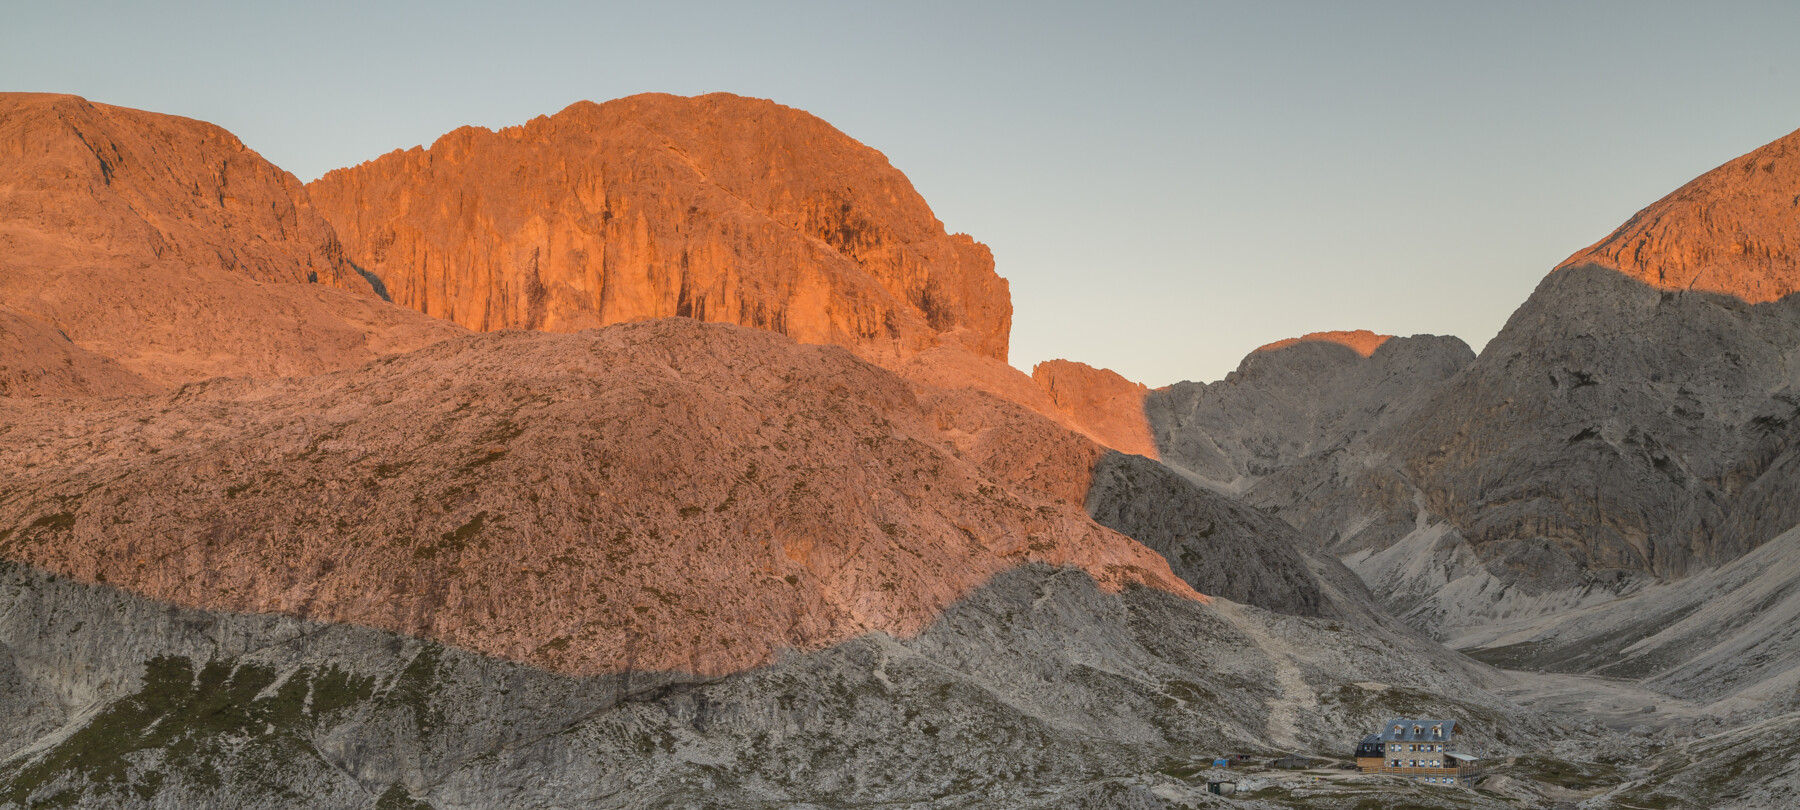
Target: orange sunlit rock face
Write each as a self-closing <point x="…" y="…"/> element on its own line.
<point x="718" y="207"/>
<point x="164" y="244"/>
<point x="1104" y="404"/>
<point x="1734" y="230"/>
<point x="669" y="495"/>
<point x="1361" y="341"/>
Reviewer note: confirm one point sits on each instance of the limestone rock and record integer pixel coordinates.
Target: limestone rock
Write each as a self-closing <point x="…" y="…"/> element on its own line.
<point x="1036" y="689"/>
<point x="1212" y="542"/>
<point x="718" y="207"/>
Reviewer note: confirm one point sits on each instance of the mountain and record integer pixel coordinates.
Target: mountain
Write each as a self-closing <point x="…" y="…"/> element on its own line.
<point x="807" y="541"/>
<point x="1734" y="231"/>
<point x="639" y="566"/>
<point x="169" y="247"/>
<point x="717" y="207"/>
<point x="1297" y="400"/>
<point x="1632" y="418"/>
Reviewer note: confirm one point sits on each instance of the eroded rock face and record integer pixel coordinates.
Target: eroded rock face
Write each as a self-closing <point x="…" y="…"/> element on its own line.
<point x="718" y="207"/>
<point x="1732" y="231"/>
<point x="669" y="495"/>
<point x="165" y="244"/>
<point x="139" y="185"/>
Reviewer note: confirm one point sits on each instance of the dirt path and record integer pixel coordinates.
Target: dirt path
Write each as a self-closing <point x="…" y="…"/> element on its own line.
<point x="1294" y="694"/>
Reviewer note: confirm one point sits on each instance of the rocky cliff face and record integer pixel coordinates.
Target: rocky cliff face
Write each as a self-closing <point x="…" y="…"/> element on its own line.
<point x="1105" y="405"/>
<point x="717" y="207"/>
<point x="165" y="244"/>
<point x="1613" y="425"/>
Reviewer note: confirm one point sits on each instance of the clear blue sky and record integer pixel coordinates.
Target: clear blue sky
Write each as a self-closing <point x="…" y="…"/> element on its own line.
<point x="1166" y="185"/>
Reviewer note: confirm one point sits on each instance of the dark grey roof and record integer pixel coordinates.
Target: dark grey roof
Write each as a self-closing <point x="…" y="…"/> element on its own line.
<point x="1411" y="729"/>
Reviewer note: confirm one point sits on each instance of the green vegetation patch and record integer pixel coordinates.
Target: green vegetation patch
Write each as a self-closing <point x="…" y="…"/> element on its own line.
<point x="196" y="723"/>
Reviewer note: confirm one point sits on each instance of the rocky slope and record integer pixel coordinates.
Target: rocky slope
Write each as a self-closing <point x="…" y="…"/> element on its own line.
<point x="1723" y="636"/>
<point x="665" y="563"/>
<point x="672" y="495"/>
<point x="717" y="207"/>
<point x="37" y="360"/>
<point x="165" y="244"/>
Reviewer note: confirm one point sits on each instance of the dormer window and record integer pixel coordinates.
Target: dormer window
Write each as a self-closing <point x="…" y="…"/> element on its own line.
<point x="1437" y="731"/>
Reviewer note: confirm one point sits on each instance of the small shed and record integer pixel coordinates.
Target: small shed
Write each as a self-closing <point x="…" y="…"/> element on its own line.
<point x="1221" y="788"/>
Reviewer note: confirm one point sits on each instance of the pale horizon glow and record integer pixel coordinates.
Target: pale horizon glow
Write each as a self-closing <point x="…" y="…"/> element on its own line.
<point x="1166" y="186"/>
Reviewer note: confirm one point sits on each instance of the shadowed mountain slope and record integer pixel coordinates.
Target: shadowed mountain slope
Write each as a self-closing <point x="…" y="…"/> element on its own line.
<point x="1297" y="400"/>
<point x="1639" y="394"/>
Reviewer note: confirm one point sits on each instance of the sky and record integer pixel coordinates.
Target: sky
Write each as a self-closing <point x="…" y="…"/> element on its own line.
<point x="1166" y="186"/>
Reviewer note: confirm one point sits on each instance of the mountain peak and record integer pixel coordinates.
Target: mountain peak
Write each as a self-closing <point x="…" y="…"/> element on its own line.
<point x="1361" y="341"/>
<point x="718" y="207"/>
<point x="1734" y="230"/>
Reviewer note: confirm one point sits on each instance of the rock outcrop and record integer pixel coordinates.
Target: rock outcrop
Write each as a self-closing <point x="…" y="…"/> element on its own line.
<point x="1214" y="543"/>
<point x="718" y="207"/>
<point x="165" y="244"/>
<point x="1104" y="404"/>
